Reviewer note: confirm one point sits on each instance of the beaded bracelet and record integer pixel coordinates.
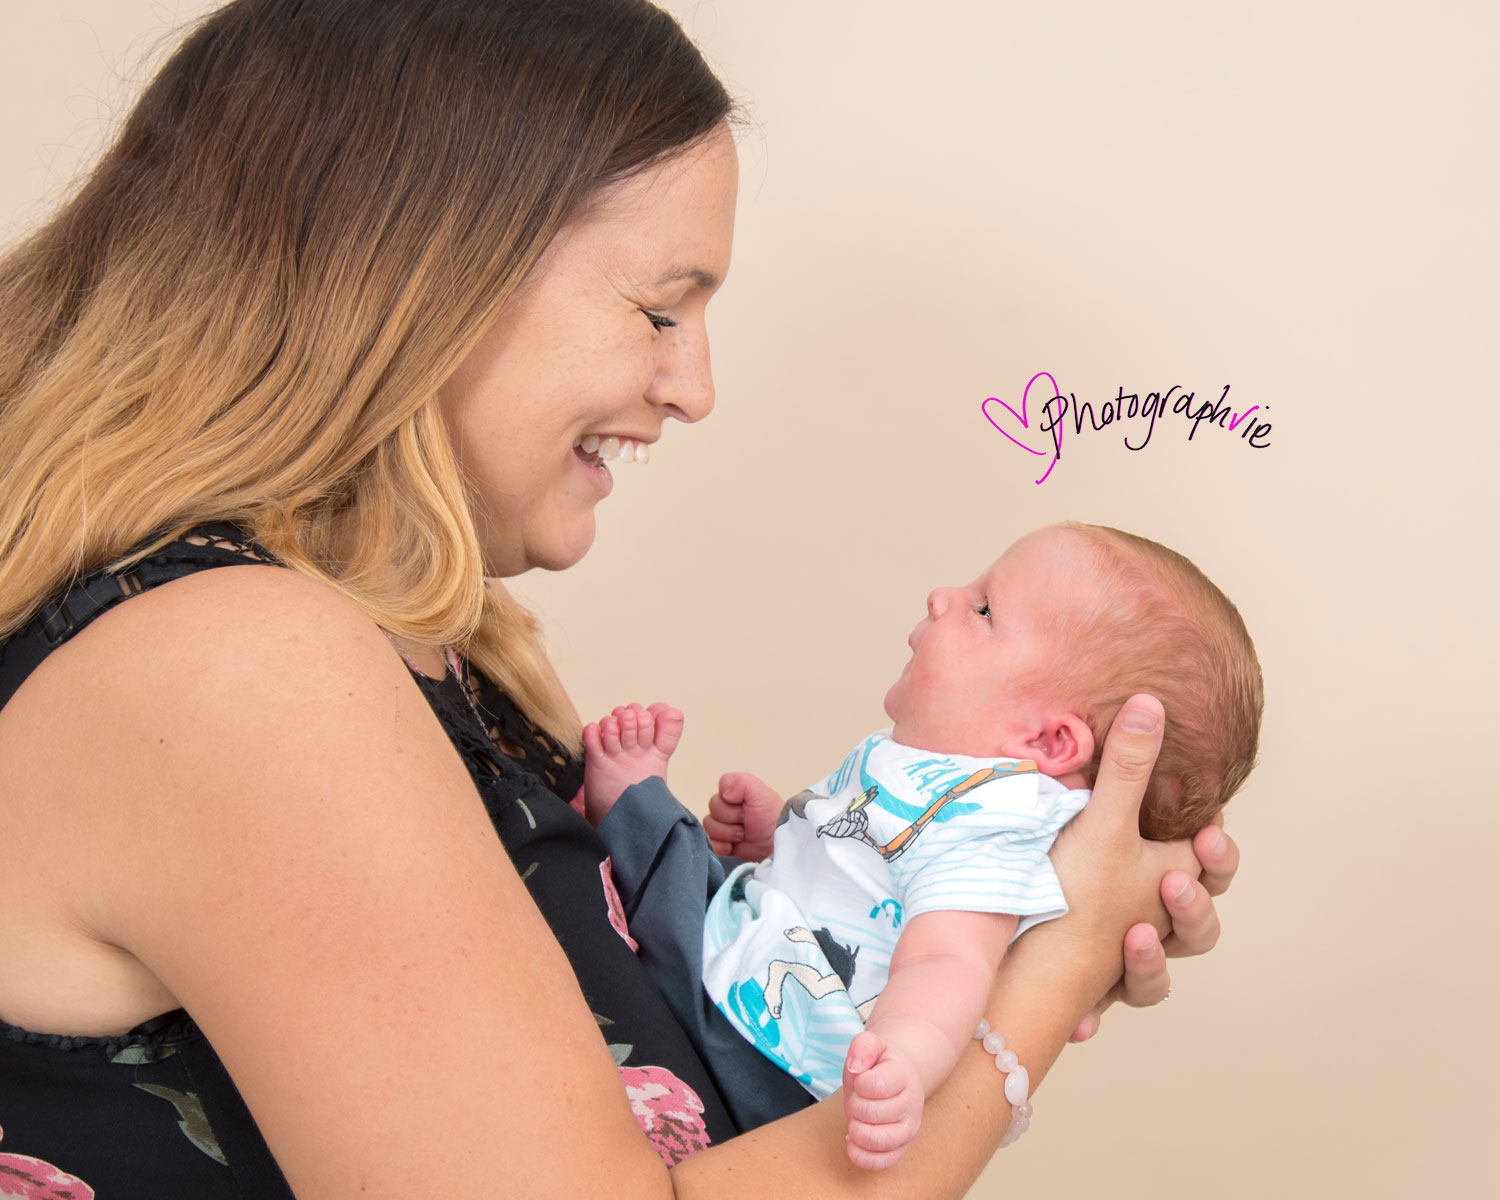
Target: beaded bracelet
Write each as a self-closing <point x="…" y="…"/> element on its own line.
<point x="1016" y="1081"/>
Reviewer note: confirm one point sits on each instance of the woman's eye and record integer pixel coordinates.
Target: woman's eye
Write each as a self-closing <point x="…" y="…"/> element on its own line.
<point x="659" y="320"/>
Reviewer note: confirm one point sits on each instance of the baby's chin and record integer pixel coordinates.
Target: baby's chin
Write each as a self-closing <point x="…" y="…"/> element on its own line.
<point x="889" y="705"/>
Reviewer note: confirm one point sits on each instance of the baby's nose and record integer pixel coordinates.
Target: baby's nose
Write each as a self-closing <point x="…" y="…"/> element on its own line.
<point x="937" y="602"/>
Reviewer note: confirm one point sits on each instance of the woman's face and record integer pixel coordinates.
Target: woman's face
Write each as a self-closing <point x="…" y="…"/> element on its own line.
<point x="605" y="339"/>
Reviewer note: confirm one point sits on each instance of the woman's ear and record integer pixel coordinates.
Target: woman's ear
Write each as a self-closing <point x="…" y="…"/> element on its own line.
<point x="1063" y="744"/>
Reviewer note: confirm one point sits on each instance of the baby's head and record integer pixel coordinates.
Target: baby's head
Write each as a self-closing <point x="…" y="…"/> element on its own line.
<point x="1035" y="657"/>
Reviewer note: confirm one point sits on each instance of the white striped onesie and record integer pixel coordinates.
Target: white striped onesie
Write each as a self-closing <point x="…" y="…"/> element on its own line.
<point x="797" y="948"/>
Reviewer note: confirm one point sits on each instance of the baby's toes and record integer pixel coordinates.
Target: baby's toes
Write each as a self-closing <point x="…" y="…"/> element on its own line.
<point x="609" y="734"/>
<point x="669" y="722"/>
<point x="629" y="729"/>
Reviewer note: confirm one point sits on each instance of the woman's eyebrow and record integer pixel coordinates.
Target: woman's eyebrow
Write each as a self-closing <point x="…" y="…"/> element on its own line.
<point x="704" y="279"/>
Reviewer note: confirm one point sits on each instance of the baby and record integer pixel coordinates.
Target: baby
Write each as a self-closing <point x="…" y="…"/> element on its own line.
<point x="861" y="948"/>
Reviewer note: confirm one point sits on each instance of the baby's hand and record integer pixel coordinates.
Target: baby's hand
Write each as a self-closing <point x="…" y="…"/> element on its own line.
<point x="626" y="747"/>
<point x="883" y="1100"/>
<point x="742" y="816"/>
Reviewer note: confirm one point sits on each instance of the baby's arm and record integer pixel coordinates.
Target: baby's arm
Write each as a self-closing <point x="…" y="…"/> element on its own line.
<point x="941" y="974"/>
<point x="630" y="745"/>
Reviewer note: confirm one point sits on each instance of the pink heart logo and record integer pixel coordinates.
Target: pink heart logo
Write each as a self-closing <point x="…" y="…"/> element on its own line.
<point x="1021" y="416"/>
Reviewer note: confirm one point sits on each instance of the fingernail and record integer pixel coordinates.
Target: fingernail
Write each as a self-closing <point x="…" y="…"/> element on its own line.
<point x="1220" y="842"/>
<point x="1185" y="894"/>
<point x="1148" y="950"/>
<point x="1141" y="720"/>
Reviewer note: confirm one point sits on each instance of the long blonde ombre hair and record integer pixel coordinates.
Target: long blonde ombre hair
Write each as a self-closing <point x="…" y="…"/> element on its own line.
<point x="310" y="217"/>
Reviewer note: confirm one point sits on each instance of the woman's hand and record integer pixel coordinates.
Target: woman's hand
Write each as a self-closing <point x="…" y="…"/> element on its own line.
<point x="1188" y="900"/>
<point x="1110" y="874"/>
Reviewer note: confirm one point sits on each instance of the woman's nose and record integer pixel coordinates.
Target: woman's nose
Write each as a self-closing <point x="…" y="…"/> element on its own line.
<point x="685" y="384"/>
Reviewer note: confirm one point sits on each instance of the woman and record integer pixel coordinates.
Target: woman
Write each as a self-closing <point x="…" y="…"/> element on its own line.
<point x="321" y="345"/>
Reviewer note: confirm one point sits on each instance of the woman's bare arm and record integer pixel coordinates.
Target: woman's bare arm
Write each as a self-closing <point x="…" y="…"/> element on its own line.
<point x="269" y="819"/>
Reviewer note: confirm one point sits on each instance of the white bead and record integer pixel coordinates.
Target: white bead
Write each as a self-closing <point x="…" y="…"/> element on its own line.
<point x="1010" y="1136"/>
<point x="1019" y="1125"/>
<point x="993" y="1043"/>
<point x="1006" y="1060"/>
<point x="984" y="1028"/>
<point x="1024" y="1110"/>
<point x="1017" y="1086"/>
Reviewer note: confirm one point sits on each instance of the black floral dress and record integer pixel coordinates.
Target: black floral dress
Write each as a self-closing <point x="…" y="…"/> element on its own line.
<point x="153" y="1115"/>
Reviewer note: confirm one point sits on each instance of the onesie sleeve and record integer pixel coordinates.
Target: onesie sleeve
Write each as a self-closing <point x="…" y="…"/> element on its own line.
<point x="992" y="857"/>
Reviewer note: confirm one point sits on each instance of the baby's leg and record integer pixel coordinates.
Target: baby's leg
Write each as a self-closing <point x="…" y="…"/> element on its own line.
<point x="742" y="816"/>
<point x="626" y="747"/>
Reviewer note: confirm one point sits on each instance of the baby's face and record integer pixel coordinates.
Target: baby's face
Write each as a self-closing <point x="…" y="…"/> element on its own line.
<point x="971" y="686"/>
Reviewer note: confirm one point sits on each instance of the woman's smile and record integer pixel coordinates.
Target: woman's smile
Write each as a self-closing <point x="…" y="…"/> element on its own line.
<point x="582" y="368"/>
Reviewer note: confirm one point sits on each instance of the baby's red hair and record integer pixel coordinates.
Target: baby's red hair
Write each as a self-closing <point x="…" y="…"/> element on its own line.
<point x="1165" y="629"/>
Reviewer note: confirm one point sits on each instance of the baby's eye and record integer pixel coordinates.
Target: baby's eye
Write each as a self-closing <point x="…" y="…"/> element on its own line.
<point x="658" y="320"/>
<point x="984" y="610"/>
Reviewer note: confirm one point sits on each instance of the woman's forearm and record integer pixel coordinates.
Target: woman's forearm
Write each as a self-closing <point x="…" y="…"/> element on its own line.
<point x="1044" y="988"/>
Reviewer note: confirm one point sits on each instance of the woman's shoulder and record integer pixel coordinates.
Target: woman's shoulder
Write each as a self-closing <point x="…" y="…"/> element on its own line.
<point x="188" y="726"/>
<point x="232" y="710"/>
<point x="253" y="663"/>
<point x="220" y="628"/>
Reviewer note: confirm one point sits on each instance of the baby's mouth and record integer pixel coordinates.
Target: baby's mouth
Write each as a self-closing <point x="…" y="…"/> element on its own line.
<point x="596" y="450"/>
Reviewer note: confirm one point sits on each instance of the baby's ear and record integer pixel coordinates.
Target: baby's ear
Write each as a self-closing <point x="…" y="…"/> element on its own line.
<point x="1063" y="745"/>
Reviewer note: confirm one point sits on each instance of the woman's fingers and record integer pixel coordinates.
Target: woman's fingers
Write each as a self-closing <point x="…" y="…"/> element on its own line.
<point x="1195" y="924"/>
<point x="1220" y="858"/>
<point x="1129" y="754"/>
<point x="1146" y="980"/>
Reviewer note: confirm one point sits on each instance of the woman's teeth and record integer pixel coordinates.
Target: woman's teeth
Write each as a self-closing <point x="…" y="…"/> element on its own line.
<point x="611" y="448"/>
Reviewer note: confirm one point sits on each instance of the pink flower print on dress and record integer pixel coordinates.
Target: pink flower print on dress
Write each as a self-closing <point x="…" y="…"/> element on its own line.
<point x="25" y="1178"/>
<point x="612" y="905"/>
<point x="668" y="1110"/>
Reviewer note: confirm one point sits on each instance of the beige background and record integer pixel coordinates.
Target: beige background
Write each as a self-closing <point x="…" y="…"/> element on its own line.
<point x="1296" y="199"/>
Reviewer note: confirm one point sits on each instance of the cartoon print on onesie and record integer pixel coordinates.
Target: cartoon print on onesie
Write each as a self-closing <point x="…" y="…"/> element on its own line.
<point x="825" y="909"/>
<point x="854" y="822"/>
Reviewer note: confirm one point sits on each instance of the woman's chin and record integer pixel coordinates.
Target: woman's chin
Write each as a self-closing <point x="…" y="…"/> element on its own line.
<point x="556" y="552"/>
<point x="567" y="551"/>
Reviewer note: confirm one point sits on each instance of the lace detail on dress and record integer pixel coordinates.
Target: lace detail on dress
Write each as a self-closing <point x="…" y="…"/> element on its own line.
<point x="227" y="539"/>
<point x="512" y="732"/>
<point x="147" y="1042"/>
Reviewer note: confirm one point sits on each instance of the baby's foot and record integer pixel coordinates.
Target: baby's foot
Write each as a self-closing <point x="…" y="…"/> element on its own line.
<point x="742" y="816"/>
<point x="626" y="747"/>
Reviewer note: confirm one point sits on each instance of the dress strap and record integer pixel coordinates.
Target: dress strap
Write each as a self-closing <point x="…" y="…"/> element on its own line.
<point x="89" y="597"/>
